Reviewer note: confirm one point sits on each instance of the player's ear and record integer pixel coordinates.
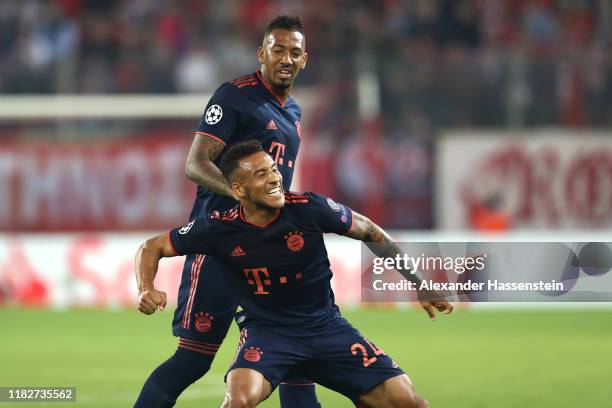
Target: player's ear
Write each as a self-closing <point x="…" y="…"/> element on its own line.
<point x="238" y="189"/>
<point x="304" y="59"/>
<point x="260" y="55"/>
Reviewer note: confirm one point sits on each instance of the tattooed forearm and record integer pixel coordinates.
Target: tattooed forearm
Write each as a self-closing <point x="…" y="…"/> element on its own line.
<point x="383" y="246"/>
<point x="377" y="240"/>
<point x="367" y="231"/>
<point x="206" y="174"/>
<point x="200" y="167"/>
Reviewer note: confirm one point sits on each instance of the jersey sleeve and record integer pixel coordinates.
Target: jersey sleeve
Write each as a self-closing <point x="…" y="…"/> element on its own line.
<point x="222" y="114"/>
<point x="193" y="238"/>
<point x="329" y="215"/>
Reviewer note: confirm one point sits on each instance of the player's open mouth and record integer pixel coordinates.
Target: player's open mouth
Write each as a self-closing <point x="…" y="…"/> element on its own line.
<point x="285" y="73"/>
<point x="276" y="191"/>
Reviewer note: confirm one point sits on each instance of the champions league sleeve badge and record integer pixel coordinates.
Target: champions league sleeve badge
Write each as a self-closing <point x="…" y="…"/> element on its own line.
<point x="333" y="205"/>
<point x="213" y="114"/>
<point x="186" y="228"/>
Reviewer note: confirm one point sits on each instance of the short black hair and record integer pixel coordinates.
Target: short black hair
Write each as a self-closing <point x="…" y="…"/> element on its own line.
<point x="284" y="22"/>
<point x="236" y="152"/>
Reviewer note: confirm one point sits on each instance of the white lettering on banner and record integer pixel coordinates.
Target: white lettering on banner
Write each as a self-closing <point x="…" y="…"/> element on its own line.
<point x="98" y="186"/>
<point x="545" y="181"/>
<point x="87" y="188"/>
<point x="39" y="189"/>
<point x="168" y="187"/>
<point x="132" y="189"/>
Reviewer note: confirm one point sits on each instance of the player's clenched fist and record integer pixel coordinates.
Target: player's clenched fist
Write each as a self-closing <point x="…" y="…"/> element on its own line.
<point x="151" y="299"/>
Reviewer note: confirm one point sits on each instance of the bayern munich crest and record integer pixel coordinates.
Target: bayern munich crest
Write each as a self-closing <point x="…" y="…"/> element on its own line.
<point x="203" y="322"/>
<point x="253" y="354"/>
<point x="295" y="242"/>
<point x="213" y="114"/>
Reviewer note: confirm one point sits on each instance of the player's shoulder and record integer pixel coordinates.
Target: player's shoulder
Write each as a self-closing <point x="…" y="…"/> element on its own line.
<point x="236" y="90"/>
<point x="210" y="225"/>
<point x="299" y="205"/>
<point x="226" y="91"/>
<point x="236" y="87"/>
<point x="318" y="210"/>
<point x="309" y="200"/>
<point x="220" y="219"/>
<point x="292" y="197"/>
<point x="244" y="82"/>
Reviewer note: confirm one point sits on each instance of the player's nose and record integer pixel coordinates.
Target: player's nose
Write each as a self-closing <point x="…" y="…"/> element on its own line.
<point x="274" y="178"/>
<point x="285" y="59"/>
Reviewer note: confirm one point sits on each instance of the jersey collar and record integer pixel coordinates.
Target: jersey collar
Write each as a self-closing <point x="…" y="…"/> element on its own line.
<point x="243" y="219"/>
<point x="279" y="98"/>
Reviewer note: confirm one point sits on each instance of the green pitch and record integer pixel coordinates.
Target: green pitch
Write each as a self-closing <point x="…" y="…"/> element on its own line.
<point x="560" y="358"/>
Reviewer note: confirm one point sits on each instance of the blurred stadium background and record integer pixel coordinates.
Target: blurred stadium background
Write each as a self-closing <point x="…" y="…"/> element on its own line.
<point x="439" y="119"/>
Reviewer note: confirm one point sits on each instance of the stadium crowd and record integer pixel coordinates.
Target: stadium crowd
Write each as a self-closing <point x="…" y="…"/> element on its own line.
<point x="459" y="63"/>
<point x="438" y="64"/>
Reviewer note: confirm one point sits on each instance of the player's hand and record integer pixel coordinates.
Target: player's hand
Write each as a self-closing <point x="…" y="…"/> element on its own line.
<point x="431" y="301"/>
<point x="151" y="299"/>
<point x="441" y="306"/>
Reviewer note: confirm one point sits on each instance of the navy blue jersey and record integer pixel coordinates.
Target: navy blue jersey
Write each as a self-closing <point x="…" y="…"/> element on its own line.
<point x="281" y="270"/>
<point x="247" y="108"/>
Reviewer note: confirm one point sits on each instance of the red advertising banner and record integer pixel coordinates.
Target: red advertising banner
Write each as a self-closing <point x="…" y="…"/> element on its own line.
<point x="134" y="183"/>
<point x="537" y="180"/>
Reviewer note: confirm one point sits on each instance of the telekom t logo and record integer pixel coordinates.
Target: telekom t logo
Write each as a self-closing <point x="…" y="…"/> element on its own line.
<point x="260" y="277"/>
<point x="277" y="151"/>
<point x="280" y="152"/>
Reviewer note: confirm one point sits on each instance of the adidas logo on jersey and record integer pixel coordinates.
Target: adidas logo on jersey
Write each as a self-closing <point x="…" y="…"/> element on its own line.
<point x="271" y="125"/>
<point x="238" y="251"/>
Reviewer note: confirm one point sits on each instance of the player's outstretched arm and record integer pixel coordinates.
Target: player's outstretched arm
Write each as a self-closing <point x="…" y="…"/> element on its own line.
<point x="200" y="167"/>
<point x="147" y="261"/>
<point x="383" y="246"/>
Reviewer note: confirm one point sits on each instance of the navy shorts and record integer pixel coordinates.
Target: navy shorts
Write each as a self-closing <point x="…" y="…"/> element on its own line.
<point x="206" y="305"/>
<point x="341" y="359"/>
